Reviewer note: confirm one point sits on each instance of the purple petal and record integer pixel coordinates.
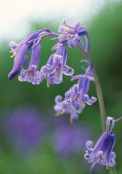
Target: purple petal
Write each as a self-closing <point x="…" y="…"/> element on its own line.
<point x="18" y="62"/>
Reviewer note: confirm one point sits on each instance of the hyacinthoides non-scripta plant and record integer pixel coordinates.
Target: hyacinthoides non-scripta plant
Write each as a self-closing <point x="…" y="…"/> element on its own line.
<point x="77" y="96"/>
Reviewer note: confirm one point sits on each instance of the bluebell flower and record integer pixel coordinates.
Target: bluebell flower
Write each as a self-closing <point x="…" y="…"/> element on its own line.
<point x="76" y="97"/>
<point x="32" y="74"/>
<point x="102" y="153"/>
<point x="20" y="50"/>
<point x="56" y="66"/>
<point x="72" y="35"/>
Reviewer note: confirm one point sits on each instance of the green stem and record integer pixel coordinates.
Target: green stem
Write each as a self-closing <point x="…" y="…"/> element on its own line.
<point x="98" y="90"/>
<point x="112" y="170"/>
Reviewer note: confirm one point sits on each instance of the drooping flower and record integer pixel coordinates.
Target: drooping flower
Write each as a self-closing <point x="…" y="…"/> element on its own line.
<point x="56" y="67"/>
<point x="102" y="153"/>
<point x="72" y="35"/>
<point x="76" y="97"/>
<point x="20" y="50"/>
<point x="32" y="74"/>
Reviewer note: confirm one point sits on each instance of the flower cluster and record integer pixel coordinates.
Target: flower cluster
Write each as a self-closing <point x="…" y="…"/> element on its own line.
<point x="56" y="65"/>
<point x="72" y="35"/>
<point x="102" y="153"/>
<point x="77" y="96"/>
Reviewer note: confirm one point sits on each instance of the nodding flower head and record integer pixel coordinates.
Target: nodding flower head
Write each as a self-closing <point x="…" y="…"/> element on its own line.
<point x="20" y="50"/>
<point x="72" y="35"/>
<point x="32" y="74"/>
<point x="102" y="153"/>
<point x="77" y="96"/>
<point x="56" y="67"/>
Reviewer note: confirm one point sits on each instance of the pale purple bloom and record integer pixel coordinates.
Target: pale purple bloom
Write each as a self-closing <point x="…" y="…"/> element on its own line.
<point x="31" y="42"/>
<point x="32" y="74"/>
<point x="25" y="129"/>
<point x="56" y="67"/>
<point x="102" y="153"/>
<point x="77" y="96"/>
<point x="72" y="35"/>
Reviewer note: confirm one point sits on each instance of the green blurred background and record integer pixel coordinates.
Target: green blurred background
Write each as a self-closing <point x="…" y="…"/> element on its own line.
<point x="105" y="32"/>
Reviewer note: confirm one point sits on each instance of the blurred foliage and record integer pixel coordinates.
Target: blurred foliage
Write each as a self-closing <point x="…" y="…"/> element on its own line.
<point x="105" y="31"/>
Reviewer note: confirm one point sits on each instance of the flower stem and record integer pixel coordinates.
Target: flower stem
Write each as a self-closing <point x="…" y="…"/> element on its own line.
<point x="112" y="170"/>
<point x="99" y="91"/>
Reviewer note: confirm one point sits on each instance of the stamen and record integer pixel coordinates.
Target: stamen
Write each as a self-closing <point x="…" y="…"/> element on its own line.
<point x="99" y="159"/>
<point x="60" y="70"/>
<point x="13" y="55"/>
<point x="66" y="30"/>
<point x="77" y="97"/>
<point x="71" y="120"/>
<point x="57" y="76"/>
<point x="11" y="51"/>
<point x="52" y="72"/>
<point x="72" y="31"/>
<point x="80" y="107"/>
<point x="90" y="161"/>
<point x="30" y="72"/>
<point x="70" y="102"/>
<point x="60" y="113"/>
<point x="106" y="166"/>
<point x="60" y="36"/>
<point x="45" y="77"/>
<point x="48" y="84"/>
<point x="69" y="35"/>
<point x="57" y="114"/>
<point x="56" y="68"/>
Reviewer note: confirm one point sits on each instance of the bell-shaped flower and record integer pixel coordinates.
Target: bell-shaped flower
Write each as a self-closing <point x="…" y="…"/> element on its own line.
<point x="32" y="74"/>
<point x="77" y="96"/>
<point x="72" y="35"/>
<point x="20" y="50"/>
<point x="56" y="67"/>
<point x="63" y="107"/>
<point x="102" y="153"/>
<point x="19" y="61"/>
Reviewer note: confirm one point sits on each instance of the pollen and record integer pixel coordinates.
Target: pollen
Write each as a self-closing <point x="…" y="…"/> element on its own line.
<point x="30" y="72"/>
<point x="45" y="77"/>
<point x="57" y="76"/>
<point x="13" y="55"/>
<point x="60" y="36"/>
<point x="57" y="114"/>
<point x="70" y="35"/>
<point x="71" y="120"/>
<point x="80" y="107"/>
<point x="90" y="161"/>
<point x="60" y="70"/>
<point x="99" y="159"/>
<point x="70" y="102"/>
<point x="66" y="30"/>
<point x="106" y="166"/>
<point x="73" y="31"/>
<point x="48" y="84"/>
